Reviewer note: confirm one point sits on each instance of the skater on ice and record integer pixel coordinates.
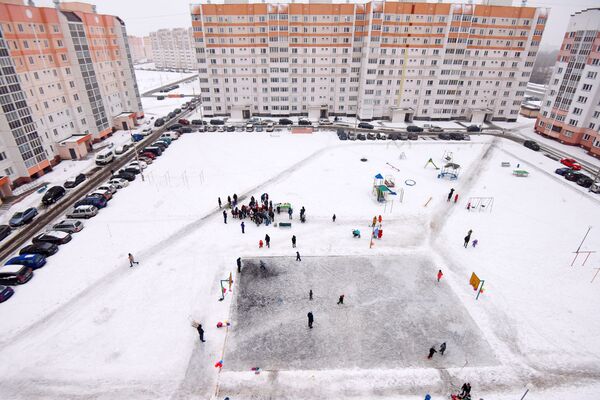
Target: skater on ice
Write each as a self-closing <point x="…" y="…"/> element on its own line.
<point x="243" y="226"/>
<point x="219" y="202"/>
<point x="450" y="194"/>
<point x="333" y="218"/>
<point x="310" y="294"/>
<point x="468" y="238"/>
<point x="290" y="212"/>
<point x="298" y="256"/>
<point x="239" y="264"/>
<point x="442" y="348"/>
<point x="475" y="242"/>
<point x="201" y="332"/>
<point x="341" y="299"/>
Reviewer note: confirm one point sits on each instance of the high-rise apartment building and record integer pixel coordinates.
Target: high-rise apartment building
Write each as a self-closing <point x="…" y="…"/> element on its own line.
<point x="391" y="60"/>
<point x="571" y="107"/>
<point x="173" y="49"/>
<point x="148" y="48"/>
<point x="136" y="44"/>
<point x="66" y="79"/>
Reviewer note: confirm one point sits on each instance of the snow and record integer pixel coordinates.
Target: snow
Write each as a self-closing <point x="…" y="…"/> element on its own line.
<point x="148" y="80"/>
<point x="88" y="326"/>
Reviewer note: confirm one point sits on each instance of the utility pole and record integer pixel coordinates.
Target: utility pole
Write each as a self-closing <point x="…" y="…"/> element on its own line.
<point x="137" y="158"/>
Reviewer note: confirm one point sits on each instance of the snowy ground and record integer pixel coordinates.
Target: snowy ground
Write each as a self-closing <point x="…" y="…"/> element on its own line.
<point x="88" y="326"/>
<point x="148" y="80"/>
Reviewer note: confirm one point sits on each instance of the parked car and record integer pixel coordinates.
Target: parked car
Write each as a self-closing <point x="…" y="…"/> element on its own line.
<point x="101" y="193"/>
<point x="69" y="225"/>
<point x="352" y="136"/>
<point x="183" y="121"/>
<point x="159" y="122"/>
<point x="177" y="111"/>
<point x="119" y="183"/>
<point x="109" y="187"/>
<point x="33" y="261"/>
<point x="53" y="194"/>
<point x="562" y="171"/>
<point x="5" y="293"/>
<point x="413" y="136"/>
<point x="249" y="128"/>
<point x="160" y="97"/>
<point x="131" y="170"/>
<point x="342" y="136"/>
<point x="74" y="181"/>
<point x="371" y="136"/>
<point x="161" y="145"/>
<point x="105" y="157"/>
<point x="285" y="121"/>
<point x="217" y="121"/>
<point x="99" y="202"/>
<point x="211" y="128"/>
<point x="171" y="115"/>
<point x="157" y="151"/>
<point x="174" y="127"/>
<point x="122" y="149"/>
<point x="585" y="181"/>
<point x="571" y="163"/>
<point x="403" y="136"/>
<point x="147" y="154"/>
<point x="23" y="217"/>
<point x="325" y="121"/>
<point x="573" y="176"/>
<point x="45" y="249"/>
<point x="530" y="144"/>
<point x="473" y="128"/>
<point x="457" y="135"/>
<point x="15" y="275"/>
<point x="145" y="159"/>
<point x="365" y="125"/>
<point x="361" y="136"/>
<point x="466" y="137"/>
<point x="185" y="129"/>
<point x="258" y="128"/>
<point x="414" y="128"/>
<point x="434" y="128"/>
<point x="595" y="187"/>
<point x="55" y="237"/>
<point x="139" y="164"/>
<point x="83" y="211"/>
<point x="303" y="121"/>
<point x="170" y="136"/>
<point x="230" y="128"/>
<point x="5" y="230"/>
<point x="147" y="130"/>
<point x="393" y="136"/>
<point x="270" y="127"/>
<point x="198" y="122"/>
<point x="444" y="136"/>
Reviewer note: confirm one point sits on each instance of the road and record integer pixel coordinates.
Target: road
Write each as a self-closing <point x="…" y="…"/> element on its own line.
<point x="152" y="91"/>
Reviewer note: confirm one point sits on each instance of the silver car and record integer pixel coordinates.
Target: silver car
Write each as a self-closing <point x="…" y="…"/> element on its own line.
<point x="83" y="212"/>
<point x="68" y="226"/>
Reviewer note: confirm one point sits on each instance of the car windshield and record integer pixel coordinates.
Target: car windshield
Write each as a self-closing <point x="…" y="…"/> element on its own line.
<point x="18" y="215"/>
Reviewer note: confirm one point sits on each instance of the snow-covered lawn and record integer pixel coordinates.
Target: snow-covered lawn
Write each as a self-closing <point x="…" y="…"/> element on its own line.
<point x="153" y="79"/>
<point x="89" y="326"/>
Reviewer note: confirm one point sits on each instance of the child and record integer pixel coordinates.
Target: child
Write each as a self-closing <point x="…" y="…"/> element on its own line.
<point x="475" y="243"/>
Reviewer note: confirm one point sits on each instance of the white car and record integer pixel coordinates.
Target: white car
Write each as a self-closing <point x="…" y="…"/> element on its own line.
<point x="108" y="187"/>
<point x="147" y="130"/>
<point x="123" y="149"/>
<point x="140" y="164"/>
<point x="325" y="121"/>
<point x="119" y="183"/>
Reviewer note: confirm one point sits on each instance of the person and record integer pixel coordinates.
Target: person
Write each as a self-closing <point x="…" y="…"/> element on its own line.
<point x="341" y="299"/>
<point x="131" y="260"/>
<point x="278" y="209"/>
<point x="356" y="233"/>
<point x="374" y="221"/>
<point x="235" y="198"/>
<point x="219" y="202"/>
<point x="260" y="244"/>
<point x="464" y="388"/>
<point x="243" y="226"/>
<point x="475" y="242"/>
<point x="268" y="240"/>
<point x="239" y="264"/>
<point x="468" y="238"/>
<point x="442" y="348"/>
<point x="311" y="319"/>
<point x="439" y="275"/>
<point x="310" y="294"/>
<point x="450" y="194"/>
<point x="225" y="216"/>
<point x="432" y="351"/>
<point x="290" y="212"/>
<point x="379" y="219"/>
<point x="456" y="197"/>
<point x="468" y="206"/>
<point x="201" y="333"/>
<point x="333" y="218"/>
<point x="293" y="241"/>
<point x="298" y="256"/>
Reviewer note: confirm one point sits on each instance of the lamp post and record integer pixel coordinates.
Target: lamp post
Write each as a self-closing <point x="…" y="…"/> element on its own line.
<point x="137" y="158"/>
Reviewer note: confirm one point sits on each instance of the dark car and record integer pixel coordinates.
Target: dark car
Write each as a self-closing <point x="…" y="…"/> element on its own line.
<point x="160" y="97"/>
<point x="34" y="261"/>
<point x="72" y="182"/>
<point x="342" y="136"/>
<point x="171" y="115"/>
<point x="285" y="121"/>
<point x="98" y="202"/>
<point x="473" y="128"/>
<point x="5" y="293"/>
<point x="403" y="136"/>
<point x="393" y="136"/>
<point x="361" y="136"/>
<point x="160" y="145"/>
<point x="159" y="122"/>
<point x="183" y="121"/>
<point x="414" y="128"/>
<point x="174" y="127"/>
<point x="198" y="122"/>
<point x="23" y="217"/>
<point x="157" y="151"/>
<point x="371" y="136"/>
<point x="185" y="129"/>
<point x="5" y="230"/>
<point x="15" y="275"/>
<point x="365" y="125"/>
<point x="217" y="122"/>
<point x="585" y="181"/>
<point x="44" y="248"/>
<point x="230" y="128"/>
<point x="573" y="176"/>
<point x="304" y="122"/>
<point x="457" y="136"/>
<point x="125" y="175"/>
<point x="131" y="170"/>
<point x="53" y="195"/>
<point x="530" y="144"/>
<point x="54" y="237"/>
<point x="177" y="111"/>
<point x="413" y="136"/>
<point x="562" y="171"/>
<point x="444" y="136"/>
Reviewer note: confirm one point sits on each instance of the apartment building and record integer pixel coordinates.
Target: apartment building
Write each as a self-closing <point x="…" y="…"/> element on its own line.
<point x="66" y="80"/>
<point x="136" y="45"/>
<point x="570" y="110"/>
<point x="378" y="60"/>
<point x="148" y="48"/>
<point x="173" y="49"/>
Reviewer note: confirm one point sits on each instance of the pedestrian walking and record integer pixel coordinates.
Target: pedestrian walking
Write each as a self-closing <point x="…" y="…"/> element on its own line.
<point x="341" y="299"/>
<point x="239" y="264"/>
<point x="455" y="197"/>
<point x="229" y="201"/>
<point x="219" y="202"/>
<point x="298" y="256"/>
<point x="463" y="389"/>
<point x="235" y="198"/>
<point x="439" y="275"/>
<point x="112" y="172"/>
<point x="293" y="241"/>
<point x="333" y="218"/>
<point x="243" y="227"/>
<point x="201" y="332"/>
<point x="225" y="216"/>
<point x="442" y="348"/>
<point x="450" y="194"/>
<point x="468" y="238"/>
<point x="268" y="240"/>
<point x="432" y="351"/>
<point x="311" y="319"/>
<point x="379" y="219"/>
<point x="310" y="294"/>
<point x="475" y="242"/>
<point x="131" y="260"/>
<point x="290" y="212"/>
<point x="374" y="221"/>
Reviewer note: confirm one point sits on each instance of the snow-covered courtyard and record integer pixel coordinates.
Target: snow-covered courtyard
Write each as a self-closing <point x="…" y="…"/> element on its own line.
<point x="89" y="326"/>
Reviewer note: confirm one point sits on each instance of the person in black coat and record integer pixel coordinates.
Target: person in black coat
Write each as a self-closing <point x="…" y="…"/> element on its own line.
<point x="450" y="194"/>
<point x="432" y="351"/>
<point x="293" y="241"/>
<point x="442" y="348"/>
<point x="239" y="264"/>
<point x="268" y="240"/>
<point x="298" y="256"/>
<point x="201" y="332"/>
<point x="310" y="319"/>
<point x="225" y="216"/>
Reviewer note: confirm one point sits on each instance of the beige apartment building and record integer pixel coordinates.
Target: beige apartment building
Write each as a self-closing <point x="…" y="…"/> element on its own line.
<point x="136" y="45"/>
<point x="67" y="80"/>
<point x="379" y="60"/>
<point x="173" y="49"/>
<point x="570" y="110"/>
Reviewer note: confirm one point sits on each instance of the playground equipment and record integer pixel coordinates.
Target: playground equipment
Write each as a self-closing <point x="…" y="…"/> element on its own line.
<point x="389" y="181"/>
<point x="450" y="170"/>
<point x="521" y="173"/>
<point x="393" y="167"/>
<point x="480" y="203"/>
<point x="381" y="189"/>
<point x="447" y="157"/>
<point x="430" y="161"/>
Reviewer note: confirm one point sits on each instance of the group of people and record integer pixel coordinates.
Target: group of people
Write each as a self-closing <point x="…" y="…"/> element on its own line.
<point x="310" y="316"/>
<point x="432" y="350"/>
<point x="468" y="239"/>
<point x="258" y="212"/>
<point x="450" y="196"/>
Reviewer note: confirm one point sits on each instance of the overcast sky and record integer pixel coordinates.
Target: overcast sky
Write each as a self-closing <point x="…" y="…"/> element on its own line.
<point x="144" y="16"/>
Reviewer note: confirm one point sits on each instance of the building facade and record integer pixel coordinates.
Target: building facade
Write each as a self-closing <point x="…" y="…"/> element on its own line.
<point x="570" y="110"/>
<point x="173" y="49"/>
<point x="148" y="48"/>
<point x="138" y="54"/>
<point x="66" y="75"/>
<point x="388" y="60"/>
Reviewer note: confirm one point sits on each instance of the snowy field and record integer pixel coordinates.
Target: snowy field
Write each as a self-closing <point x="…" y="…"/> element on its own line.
<point x="88" y="326"/>
<point x="148" y="80"/>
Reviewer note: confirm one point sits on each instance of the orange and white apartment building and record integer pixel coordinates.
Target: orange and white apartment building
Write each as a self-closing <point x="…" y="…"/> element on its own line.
<point x="392" y="60"/>
<point x="66" y="79"/>
<point x="570" y="110"/>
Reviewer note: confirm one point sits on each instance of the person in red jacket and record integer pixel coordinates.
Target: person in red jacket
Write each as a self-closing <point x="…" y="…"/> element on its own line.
<point x="439" y="275"/>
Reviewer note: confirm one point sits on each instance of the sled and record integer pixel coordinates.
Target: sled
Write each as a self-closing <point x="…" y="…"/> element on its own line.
<point x="520" y="173"/>
<point x="285" y="224"/>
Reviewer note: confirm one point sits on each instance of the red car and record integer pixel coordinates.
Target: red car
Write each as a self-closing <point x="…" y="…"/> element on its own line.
<point x="571" y="163"/>
<point x="184" y="121"/>
<point x="151" y="156"/>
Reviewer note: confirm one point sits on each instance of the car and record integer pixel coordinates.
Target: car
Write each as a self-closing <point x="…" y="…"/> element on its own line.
<point x="270" y="127"/>
<point x="132" y="170"/>
<point x="303" y="121"/>
<point x="249" y="128"/>
<point x="198" y="122"/>
<point x="361" y="136"/>
<point x="161" y="144"/>
<point x="109" y="187"/>
<point x="403" y="136"/>
<point x="285" y="121"/>
<point x="562" y="171"/>
<point x="183" y="121"/>
<point x="342" y="136"/>
<point x="74" y="181"/>
<point x="444" y="136"/>
<point x="573" y="176"/>
<point x="185" y="129"/>
<point x="192" y="107"/>
<point x="145" y="159"/>
<point x="157" y="151"/>
<point x="382" y="136"/>
<point x="585" y="181"/>
<point x="177" y="111"/>
<point x="325" y="121"/>
<point x="33" y="261"/>
<point x="371" y="136"/>
<point x="466" y="137"/>
<point x="45" y="249"/>
<point x="202" y="128"/>
<point x="23" y="217"/>
<point x="147" y="154"/>
<point x="473" y="128"/>
<point x="434" y="128"/>
<point x="221" y="128"/>
<point x="171" y="115"/>
<point x="147" y="130"/>
<point x="159" y="122"/>
<point x="457" y="135"/>
<point x="365" y="125"/>
<point x="123" y="149"/>
<point x="413" y="136"/>
<point x="174" y="127"/>
<point x="530" y="144"/>
<point x="571" y="163"/>
<point x="119" y="183"/>
<point x="211" y="128"/>
<point x="217" y="121"/>
<point x="392" y="136"/>
<point x="101" y="193"/>
<point x="230" y="128"/>
<point x="15" y="275"/>
<point x="53" y="194"/>
<point x="96" y="201"/>
<point x="258" y="128"/>
<point x="595" y="187"/>
<point x="170" y="136"/>
<point x="139" y="164"/>
<point x="5" y="230"/>
<point x="351" y="135"/>
<point x="82" y="211"/>
<point x="5" y="293"/>
<point x="160" y="97"/>
<point x="55" y="237"/>
<point x="69" y="225"/>
<point x="414" y="128"/>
